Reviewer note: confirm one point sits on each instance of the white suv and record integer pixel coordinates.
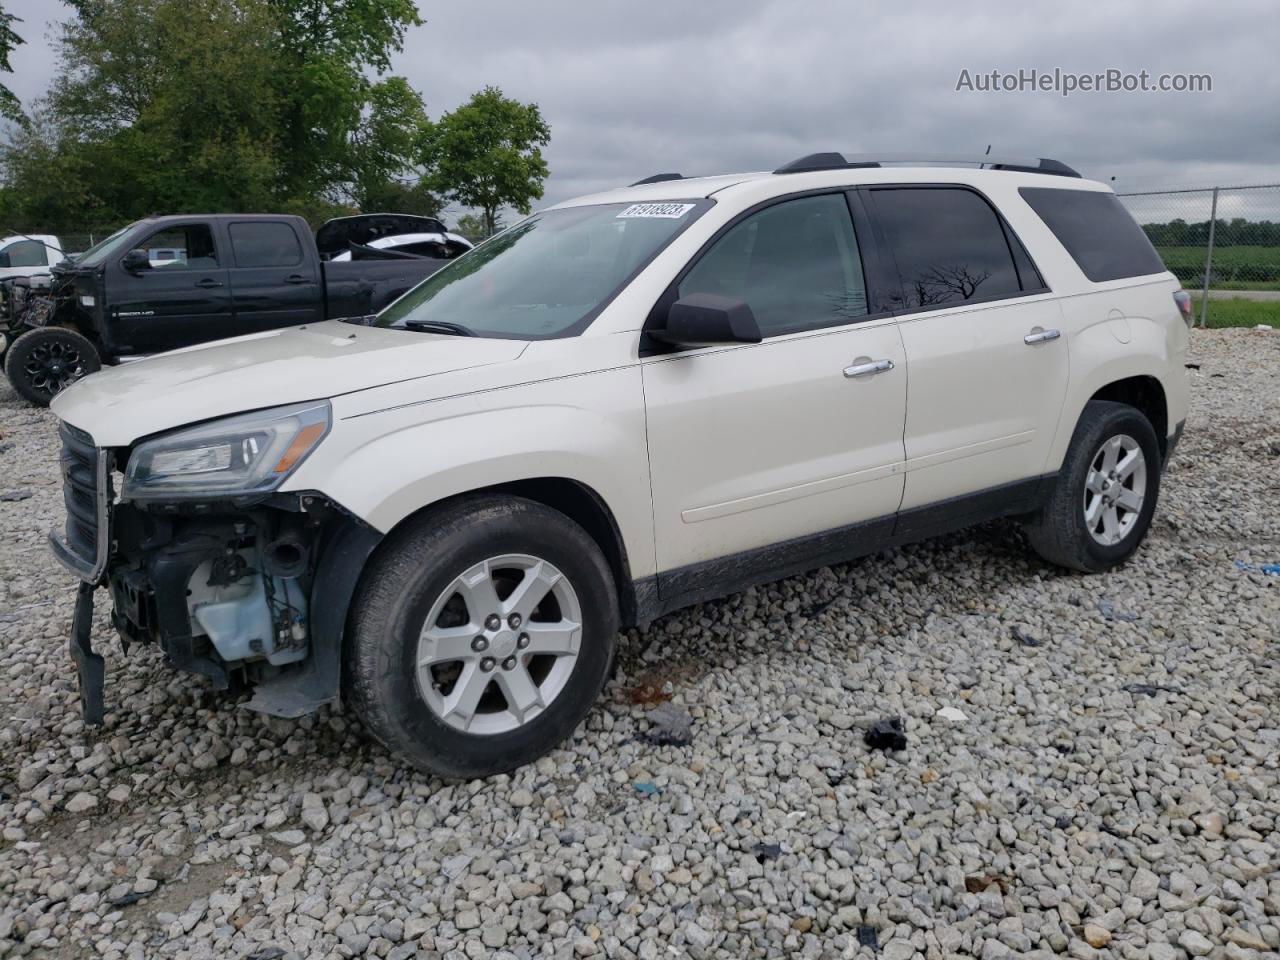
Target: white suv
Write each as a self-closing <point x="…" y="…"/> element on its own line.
<point x="620" y="406"/>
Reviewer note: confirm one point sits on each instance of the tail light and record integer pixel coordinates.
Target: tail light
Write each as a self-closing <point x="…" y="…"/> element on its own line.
<point x="1183" y="300"/>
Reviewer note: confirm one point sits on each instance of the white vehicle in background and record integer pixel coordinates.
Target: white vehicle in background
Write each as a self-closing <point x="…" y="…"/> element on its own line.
<point x="436" y="246"/>
<point x="29" y="255"/>
<point x="625" y="404"/>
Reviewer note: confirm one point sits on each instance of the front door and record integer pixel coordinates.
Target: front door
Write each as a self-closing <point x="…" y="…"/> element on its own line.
<point x="181" y="299"/>
<point x="983" y="340"/>
<point x="758" y="450"/>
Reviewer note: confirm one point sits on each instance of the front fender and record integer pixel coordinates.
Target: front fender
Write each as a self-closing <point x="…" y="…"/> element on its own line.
<point x="387" y="465"/>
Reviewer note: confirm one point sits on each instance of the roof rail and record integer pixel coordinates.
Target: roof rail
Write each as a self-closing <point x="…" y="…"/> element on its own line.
<point x="844" y="161"/>
<point x="658" y="178"/>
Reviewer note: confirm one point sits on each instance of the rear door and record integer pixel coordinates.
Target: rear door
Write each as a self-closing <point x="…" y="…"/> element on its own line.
<point x="181" y="299"/>
<point x="983" y="341"/>
<point x="274" y="282"/>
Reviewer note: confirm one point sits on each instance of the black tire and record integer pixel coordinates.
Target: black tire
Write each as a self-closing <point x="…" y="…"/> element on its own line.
<point x="410" y="571"/>
<point x="1059" y="532"/>
<point x="43" y="362"/>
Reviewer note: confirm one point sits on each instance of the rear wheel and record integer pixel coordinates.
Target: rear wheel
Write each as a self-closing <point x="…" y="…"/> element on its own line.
<point x="44" y="362"/>
<point x="1105" y="495"/>
<point x="481" y="636"/>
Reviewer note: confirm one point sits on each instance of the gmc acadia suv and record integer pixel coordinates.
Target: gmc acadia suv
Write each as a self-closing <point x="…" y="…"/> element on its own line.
<point x="626" y="404"/>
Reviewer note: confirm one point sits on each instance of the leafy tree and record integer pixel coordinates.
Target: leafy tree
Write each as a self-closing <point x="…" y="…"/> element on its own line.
<point x="487" y="154"/>
<point x="10" y="108"/>
<point x="473" y="227"/>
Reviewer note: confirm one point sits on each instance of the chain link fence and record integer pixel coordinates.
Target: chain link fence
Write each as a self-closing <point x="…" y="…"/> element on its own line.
<point x="1219" y="241"/>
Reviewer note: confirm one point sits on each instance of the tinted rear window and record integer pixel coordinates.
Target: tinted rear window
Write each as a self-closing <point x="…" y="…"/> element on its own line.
<point x="1103" y="239"/>
<point x="265" y="245"/>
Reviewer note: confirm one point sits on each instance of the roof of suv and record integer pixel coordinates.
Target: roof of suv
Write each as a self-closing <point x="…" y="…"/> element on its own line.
<point x="802" y="175"/>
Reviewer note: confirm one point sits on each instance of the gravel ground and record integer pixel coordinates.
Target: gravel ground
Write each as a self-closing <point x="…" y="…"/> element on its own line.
<point x="1107" y="789"/>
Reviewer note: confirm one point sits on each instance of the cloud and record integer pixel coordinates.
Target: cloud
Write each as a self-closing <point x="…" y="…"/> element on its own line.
<point x="704" y="86"/>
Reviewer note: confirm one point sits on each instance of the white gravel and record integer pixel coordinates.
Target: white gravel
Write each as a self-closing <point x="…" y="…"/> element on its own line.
<point x="1067" y="810"/>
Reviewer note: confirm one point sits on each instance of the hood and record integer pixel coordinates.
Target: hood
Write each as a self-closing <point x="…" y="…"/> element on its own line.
<point x="319" y="361"/>
<point x="334" y="235"/>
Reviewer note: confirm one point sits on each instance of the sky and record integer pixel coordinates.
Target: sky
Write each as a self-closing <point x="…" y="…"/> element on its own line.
<point x="710" y="86"/>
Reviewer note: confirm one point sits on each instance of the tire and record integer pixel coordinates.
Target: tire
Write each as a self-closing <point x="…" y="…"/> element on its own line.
<point x="1061" y="532"/>
<point x="412" y="576"/>
<point x="42" y="363"/>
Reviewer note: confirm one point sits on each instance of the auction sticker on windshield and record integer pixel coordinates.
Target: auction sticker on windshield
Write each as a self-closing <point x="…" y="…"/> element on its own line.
<point x="666" y="211"/>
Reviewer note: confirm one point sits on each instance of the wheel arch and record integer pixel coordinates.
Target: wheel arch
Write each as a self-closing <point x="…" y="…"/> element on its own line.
<point x="1146" y="394"/>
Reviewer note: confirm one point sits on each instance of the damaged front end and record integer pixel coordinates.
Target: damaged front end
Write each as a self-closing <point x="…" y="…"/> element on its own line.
<point x="240" y="585"/>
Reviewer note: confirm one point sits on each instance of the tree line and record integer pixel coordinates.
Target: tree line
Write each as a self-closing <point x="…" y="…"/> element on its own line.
<point x="1226" y="233"/>
<point x="291" y="106"/>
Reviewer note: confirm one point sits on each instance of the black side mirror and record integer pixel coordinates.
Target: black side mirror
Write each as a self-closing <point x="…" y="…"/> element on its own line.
<point x="136" y="260"/>
<point x="704" y="319"/>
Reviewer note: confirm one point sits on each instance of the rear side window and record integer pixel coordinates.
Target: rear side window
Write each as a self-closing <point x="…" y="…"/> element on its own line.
<point x="26" y="253"/>
<point x="265" y="245"/>
<point x="1103" y="239"/>
<point x="950" y="246"/>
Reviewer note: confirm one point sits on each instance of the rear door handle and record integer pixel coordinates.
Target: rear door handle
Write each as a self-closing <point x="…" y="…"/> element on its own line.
<point x="868" y="368"/>
<point x="1041" y="336"/>
<point x="296" y="278"/>
<point x="207" y="283"/>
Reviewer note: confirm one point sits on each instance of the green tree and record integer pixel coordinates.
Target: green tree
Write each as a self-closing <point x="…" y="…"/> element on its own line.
<point x="10" y="108"/>
<point x="487" y="154"/>
<point x="473" y="227"/>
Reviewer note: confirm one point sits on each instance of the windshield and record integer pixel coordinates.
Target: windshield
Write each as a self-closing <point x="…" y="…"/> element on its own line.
<point x="104" y="248"/>
<point x="547" y="276"/>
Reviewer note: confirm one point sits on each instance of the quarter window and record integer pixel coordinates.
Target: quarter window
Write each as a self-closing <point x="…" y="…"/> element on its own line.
<point x="796" y="264"/>
<point x="265" y="245"/>
<point x="1103" y="239"/>
<point x="950" y="246"/>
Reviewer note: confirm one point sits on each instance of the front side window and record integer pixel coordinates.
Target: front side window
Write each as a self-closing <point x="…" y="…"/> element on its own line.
<point x="265" y="245"/>
<point x="27" y="253"/>
<point x="547" y="276"/>
<point x="796" y="264"/>
<point x="187" y="247"/>
<point x="949" y="244"/>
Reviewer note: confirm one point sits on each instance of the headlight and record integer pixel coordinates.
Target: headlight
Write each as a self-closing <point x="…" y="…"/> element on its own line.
<point x="248" y="454"/>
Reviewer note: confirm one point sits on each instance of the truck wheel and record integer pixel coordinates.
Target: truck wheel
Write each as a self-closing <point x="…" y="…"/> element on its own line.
<point x="41" y="363"/>
<point x="1105" y="494"/>
<point x="480" y="636"/>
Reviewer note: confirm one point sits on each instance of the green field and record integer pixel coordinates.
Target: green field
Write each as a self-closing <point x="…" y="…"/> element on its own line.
<point x="1240" y="313"/>
<point x="1240" y="267"/>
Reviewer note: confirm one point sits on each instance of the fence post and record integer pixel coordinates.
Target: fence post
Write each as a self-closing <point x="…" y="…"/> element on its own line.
<point x="1208" y="261"/>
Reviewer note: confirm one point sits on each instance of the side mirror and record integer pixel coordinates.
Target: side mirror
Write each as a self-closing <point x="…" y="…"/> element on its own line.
<point x="136" y="260"/>
<point x="705" y="319"/>
<point x="4" y="258"/>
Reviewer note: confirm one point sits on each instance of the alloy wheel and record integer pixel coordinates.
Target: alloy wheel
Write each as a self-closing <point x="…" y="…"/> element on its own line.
<point x="1115" y="489"/>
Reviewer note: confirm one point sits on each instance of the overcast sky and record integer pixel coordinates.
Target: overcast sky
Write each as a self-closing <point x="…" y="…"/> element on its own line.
<point x="704" y="86"/>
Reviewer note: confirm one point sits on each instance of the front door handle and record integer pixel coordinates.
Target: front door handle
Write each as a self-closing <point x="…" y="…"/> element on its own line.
<point x="208" y="283"/>
<point x="1041" y="336"/>
<point x="295" y="278"/>
<point x="866" y="368"/>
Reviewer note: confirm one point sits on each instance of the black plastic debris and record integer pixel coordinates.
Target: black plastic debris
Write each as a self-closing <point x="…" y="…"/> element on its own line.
<point x="1217" y="374"/>
<point x="1026" y="639"/>
<point x="887" y="734"/>
<point x="267" y="953"/>
<point x="129" y="899"/>
<point x="1272" y="448"/>
<point x="867" y="936"/>
<point x="1192" y="366"/>
<point x="818" y="609"/>
<point x="5" y="447"/>
<point x="13" y="496"/>
<point x="1108" y="610"/>
<point x="1062" y="822"/>
<point x="672" y="725"/>
<point x="1148" y="689"/>
<point x="766" y="851"/>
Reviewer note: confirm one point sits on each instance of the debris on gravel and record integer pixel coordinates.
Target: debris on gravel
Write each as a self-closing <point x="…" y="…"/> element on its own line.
<point x="1113" y="792"/>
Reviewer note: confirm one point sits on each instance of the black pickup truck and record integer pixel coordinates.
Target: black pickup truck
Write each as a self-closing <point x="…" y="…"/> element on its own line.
<point x="169" y="282"/>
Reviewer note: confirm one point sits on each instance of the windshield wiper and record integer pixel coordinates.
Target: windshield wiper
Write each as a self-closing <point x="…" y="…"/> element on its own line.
<point x="439" y="326"/>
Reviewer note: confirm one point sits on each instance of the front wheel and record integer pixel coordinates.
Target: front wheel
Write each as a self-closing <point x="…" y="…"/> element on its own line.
<point x="43" y="362"/>
<point x="1105" y="495"/>
<point x="481" y="635"/>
